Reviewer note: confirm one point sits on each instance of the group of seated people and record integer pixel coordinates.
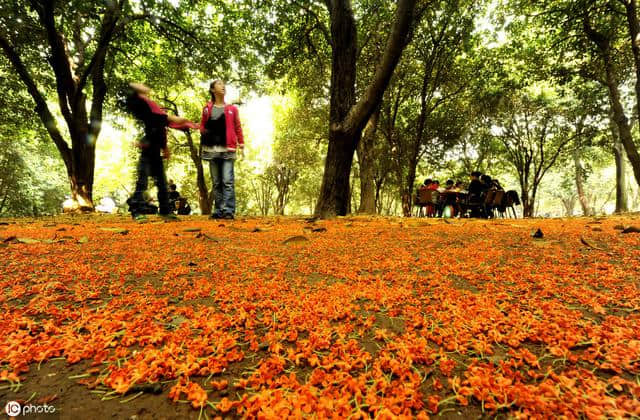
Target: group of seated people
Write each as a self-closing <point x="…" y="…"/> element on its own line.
<point x="480" y="198"/>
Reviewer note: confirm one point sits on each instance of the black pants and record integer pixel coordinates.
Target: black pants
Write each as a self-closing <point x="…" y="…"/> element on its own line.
<point x="150" y="165"/>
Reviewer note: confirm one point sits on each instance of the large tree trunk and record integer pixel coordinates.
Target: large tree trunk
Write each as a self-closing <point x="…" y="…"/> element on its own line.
<point x="79" y="162"/>
<point x="334" y="192"/>
<point x="365" y="151"/>
<point x="346" y="117"/>
<point x="579" y="178"/>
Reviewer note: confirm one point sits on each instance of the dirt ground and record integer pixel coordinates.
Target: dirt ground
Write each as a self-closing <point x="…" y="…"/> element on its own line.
<point x="355" y="317"/>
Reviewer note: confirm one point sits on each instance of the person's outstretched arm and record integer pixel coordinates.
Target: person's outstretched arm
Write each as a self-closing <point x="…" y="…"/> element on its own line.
<point x="181" y="123"/>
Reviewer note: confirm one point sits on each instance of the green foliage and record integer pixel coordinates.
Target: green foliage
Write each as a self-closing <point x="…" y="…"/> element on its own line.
<point x="31" y="181"/>
<point x="471" y="72"/>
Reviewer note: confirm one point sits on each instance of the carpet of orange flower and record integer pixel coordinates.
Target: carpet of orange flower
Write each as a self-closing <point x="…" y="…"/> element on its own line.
<point x="354" y="317"/>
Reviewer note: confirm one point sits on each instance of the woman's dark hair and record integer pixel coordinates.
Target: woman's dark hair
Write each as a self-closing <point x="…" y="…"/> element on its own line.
<point x="122" y="95"/>
<point x="211" y="86"/>
<point x="129" y="100"/>
<point x="427" y="181"/>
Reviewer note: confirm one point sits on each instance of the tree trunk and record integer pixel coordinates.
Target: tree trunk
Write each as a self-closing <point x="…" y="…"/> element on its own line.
<point x="527" y="202"/>
<point x="281" y="201"/>
<point x="407" y="191"/>
<point x="348" y="118"/>
<point x="378" y="200"/>
<point x="579" y="178"/>
<point x="622" y="205"/>
<point x="5" y="195"/>
<point x="622" y="122"/>
<point x="634" y="34"/>
<point x="203" y="192"/>
<point x="569" y="204"/>
<point x="80" y="164"/>
<point x="352" y="186"/>
<point x="365" y="151"/>
<point x="527" y="207"/>
<point x="334" y="192"/>
<point x="205" y="199"/>
<point x="624" y="129"/>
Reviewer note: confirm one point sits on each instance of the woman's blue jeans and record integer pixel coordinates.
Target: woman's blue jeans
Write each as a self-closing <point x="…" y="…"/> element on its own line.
<point x="222" y="175"/>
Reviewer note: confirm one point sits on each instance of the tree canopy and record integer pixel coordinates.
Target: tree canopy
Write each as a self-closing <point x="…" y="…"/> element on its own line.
<point x="365" y="98"/>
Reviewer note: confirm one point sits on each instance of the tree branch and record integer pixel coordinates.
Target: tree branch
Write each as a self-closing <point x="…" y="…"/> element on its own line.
<point x="107" y="31"/>
<point x="60" y="61"/>
<point x="361" y="111"/>
<point x="41" y="104"/>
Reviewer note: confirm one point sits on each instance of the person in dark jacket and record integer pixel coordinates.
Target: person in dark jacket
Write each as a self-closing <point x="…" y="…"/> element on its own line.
<point x="153" y="147"/>
<point x="475" y="187"/>
<point x="476" y="194"/>
<point x="174" y="196"/>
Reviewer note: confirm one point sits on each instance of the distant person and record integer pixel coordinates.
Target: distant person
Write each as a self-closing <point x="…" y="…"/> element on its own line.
<point x="475" y="195"/>
<point x="171" y="183"/>
<point x="144" y="208"/>
<point x="221" y="137"/>
<point x="439" y="187"/>
<point x="182" y="206"/>
<point x="425" y="184"/>
<point x="475" y="186"/>
<point x="174" y="196"/>
<point x="487" y="182"/>
<point x="154" y="142"/>
<point x="449" y="203"/>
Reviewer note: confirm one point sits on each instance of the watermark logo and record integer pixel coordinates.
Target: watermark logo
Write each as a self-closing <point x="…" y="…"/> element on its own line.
<point x="13" y="409"/>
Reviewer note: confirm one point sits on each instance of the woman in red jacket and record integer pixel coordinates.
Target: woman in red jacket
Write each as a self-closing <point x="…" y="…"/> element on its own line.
<point x="221" y="138"/>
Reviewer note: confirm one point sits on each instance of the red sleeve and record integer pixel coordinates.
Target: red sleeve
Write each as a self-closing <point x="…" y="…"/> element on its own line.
<point x="155" y="108"/>
<point x="238" y="127"/>
<point x="184" y="126"/>
<point x="203" y="121"/>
